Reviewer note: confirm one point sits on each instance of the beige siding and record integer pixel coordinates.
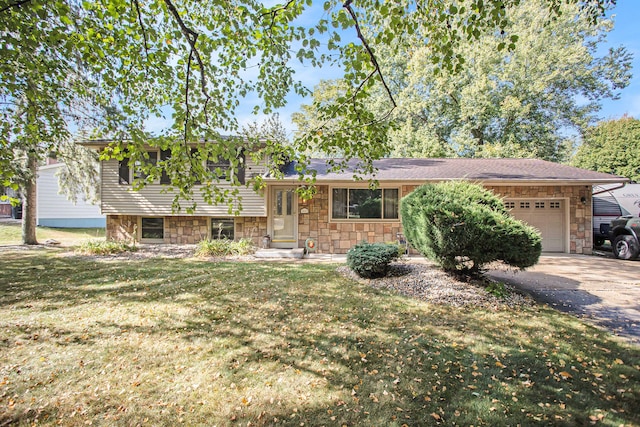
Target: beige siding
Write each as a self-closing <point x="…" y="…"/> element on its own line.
<point x="151" y="200"/>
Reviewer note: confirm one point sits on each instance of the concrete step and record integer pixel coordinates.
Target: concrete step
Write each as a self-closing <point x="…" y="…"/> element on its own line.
<point x="280" y="253"/>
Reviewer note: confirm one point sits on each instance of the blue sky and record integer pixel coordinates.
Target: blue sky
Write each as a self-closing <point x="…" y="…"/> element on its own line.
<point x="626" y="32"/>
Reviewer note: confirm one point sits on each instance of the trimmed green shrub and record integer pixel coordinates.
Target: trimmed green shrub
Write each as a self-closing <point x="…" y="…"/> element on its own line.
<point x="225" y="247"/>
<point x="105" y="247"/>
<point x="371" y="260"/>
<point x="463" y="226"/>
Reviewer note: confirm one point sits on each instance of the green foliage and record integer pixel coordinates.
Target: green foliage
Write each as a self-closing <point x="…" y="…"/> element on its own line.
<point x="463" y="226"/>
<point x="225" y="247"/>
<point x="497" y="289"/>
<point x="371" y="260"/>
<point x="516" y="96"/>
<point x="105" y="247"/>
<point x="400" y="248"/>
<point x="612" y="147"/>
<point x="112" y="66"/>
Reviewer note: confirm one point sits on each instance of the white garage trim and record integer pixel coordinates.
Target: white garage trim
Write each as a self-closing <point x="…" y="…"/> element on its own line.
<point x="549" y="215"/>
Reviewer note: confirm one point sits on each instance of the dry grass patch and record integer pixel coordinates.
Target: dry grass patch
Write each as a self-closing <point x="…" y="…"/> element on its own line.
<point x="168" y="341"/>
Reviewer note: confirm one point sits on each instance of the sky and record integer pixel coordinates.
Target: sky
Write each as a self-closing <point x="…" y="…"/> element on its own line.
<point x="626" y="32"/>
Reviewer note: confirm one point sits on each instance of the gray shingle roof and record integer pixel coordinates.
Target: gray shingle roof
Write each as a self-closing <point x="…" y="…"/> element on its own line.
<point x="485" y="170"/>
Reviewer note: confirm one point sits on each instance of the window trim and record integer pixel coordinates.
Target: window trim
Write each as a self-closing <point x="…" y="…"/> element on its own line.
<point x="364" y="220"/>
<point x="212" y="220"/>
<point x="151" y="240"/>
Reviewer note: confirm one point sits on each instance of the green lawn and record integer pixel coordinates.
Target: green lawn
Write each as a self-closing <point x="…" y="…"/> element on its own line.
<point x="193" y="342"/>
<point x="11" y="234"/>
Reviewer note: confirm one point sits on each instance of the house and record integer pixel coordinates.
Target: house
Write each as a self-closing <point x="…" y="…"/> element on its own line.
<point x="55" y="210"/>
<point x="554" y="198"/>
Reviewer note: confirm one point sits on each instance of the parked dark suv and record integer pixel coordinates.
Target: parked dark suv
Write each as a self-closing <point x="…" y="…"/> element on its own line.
<point x="624" y="237"/>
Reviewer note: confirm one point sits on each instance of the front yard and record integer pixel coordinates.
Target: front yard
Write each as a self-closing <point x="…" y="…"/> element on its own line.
<point x="87" y="341"/>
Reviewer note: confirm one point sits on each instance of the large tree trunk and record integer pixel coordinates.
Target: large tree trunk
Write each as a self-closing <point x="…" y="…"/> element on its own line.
<point x="29" y="207"/>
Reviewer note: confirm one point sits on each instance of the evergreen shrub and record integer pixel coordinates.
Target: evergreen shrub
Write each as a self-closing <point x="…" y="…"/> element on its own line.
<point x="463" y="226"/>
<point x="371" y="260"/>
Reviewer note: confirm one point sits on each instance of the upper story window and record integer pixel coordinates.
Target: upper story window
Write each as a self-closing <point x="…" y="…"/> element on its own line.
<point x="128" y="171"/>
<point x="363" y="203"/>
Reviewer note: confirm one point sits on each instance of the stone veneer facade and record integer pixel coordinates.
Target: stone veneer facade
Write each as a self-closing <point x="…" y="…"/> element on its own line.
<point x="338" y="236"/>
<point x="184" y="229"/>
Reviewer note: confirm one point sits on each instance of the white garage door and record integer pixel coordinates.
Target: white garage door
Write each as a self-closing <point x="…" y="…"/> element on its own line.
<point x="546" y="215"/>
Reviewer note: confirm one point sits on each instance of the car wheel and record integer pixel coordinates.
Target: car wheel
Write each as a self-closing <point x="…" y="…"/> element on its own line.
<point x="625" y="247"/>
<point x="599" y="241"/>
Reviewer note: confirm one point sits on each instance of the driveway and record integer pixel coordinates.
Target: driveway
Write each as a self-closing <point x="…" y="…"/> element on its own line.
<point x="602" y="289"/>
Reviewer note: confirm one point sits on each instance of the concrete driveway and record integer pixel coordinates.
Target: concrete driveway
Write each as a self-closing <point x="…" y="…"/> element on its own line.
<point x="599" y="288"/>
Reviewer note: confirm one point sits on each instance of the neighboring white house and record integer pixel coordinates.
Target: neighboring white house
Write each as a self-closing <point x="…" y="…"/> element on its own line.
<point x="55" y="210"/>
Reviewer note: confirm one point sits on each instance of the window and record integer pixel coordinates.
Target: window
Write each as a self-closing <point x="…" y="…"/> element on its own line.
<point x="510" y="205"/>
<point x="218" y="167"/>
<point x="125" y="169"/>
<point x="539" y="205"/>
<point x="152" y="228"/>
<point x="138" y="173"/>
<point x="222" y="228"/>
<point x="554" y="205"/>
<point x="361" y="203"/>
<point x="525" y="205"/>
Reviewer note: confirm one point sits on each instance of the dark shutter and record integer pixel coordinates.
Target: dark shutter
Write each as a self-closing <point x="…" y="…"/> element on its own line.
<point x="164" y="156"/>
<point x="241" y="167"/>
<point x="123" y="172"/>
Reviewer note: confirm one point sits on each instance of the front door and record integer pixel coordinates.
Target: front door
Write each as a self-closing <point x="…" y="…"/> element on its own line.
<point x="284" y="217"/>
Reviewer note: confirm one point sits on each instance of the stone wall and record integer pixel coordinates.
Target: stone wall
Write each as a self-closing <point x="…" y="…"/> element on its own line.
<point x="251" y="227"/>
<point x="122" y="227"/>
<point x="185" y="230"/>
<point x="337" y="237"/>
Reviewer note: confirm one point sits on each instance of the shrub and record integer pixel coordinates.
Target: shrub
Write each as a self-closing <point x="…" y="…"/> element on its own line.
<point x="225" y="247"/>
<point x="463" y="226"/>
<point x="105" y="247"/>
<point x="371" y="260"/>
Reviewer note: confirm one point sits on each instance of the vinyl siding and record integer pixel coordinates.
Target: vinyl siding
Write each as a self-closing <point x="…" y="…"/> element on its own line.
<point x="152" y="201"/>
<point x="54" y="206"/>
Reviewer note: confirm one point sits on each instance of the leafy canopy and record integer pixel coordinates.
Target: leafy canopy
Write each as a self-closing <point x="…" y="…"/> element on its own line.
<point x="496" y="102"/>
<point x="111" y="65"/>
<point x="612" y="146"/>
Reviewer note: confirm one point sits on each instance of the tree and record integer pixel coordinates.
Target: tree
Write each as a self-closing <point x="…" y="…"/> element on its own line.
<point x="123" y="61"/>
<point x="518" y="102"/>
<point x="612" y="146"/>
<point x="462" y="226"/>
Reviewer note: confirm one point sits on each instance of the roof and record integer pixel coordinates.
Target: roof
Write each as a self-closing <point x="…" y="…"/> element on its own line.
<point x="497" y="171"/>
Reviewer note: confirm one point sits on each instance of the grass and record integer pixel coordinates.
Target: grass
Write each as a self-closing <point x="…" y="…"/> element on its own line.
<point x="193" y="342"/>
<point x="11" y="234"/>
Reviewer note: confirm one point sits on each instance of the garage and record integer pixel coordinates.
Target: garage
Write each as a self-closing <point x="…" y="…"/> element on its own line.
<point x="547" y="215"/>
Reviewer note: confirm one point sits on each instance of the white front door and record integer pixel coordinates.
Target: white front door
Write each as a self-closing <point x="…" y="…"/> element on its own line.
<point x="284" y="217"/>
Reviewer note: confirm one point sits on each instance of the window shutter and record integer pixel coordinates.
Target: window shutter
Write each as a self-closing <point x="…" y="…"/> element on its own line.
<point x="123" y="172"/>
<point x="164" y="156"/>
<point x="241" y="168"/>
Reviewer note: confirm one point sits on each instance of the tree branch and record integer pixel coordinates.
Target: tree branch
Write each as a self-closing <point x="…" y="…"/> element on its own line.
<point x="12" y="5"/>
<point x="144" y="32"/>
<point x="191" y="37"/>
<point x="372" y="56"/>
